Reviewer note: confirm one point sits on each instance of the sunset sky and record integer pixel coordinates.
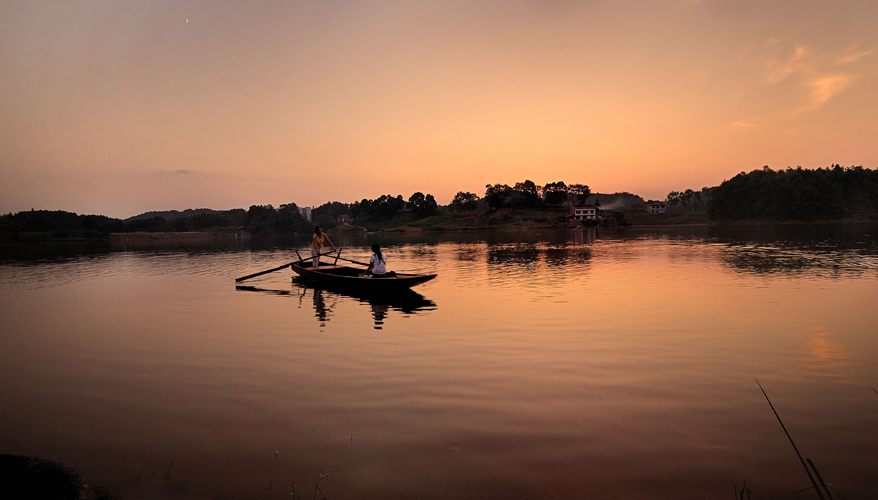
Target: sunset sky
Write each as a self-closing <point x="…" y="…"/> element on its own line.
<point x="122" y="107"/>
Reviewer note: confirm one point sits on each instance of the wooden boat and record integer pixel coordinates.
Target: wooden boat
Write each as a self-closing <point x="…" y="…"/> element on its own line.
<point x="350" y="278"/>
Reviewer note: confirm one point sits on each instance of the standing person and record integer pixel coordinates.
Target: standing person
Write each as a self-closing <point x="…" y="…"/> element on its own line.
<point x="317" y="245"/>
<point x="378" y="263"/>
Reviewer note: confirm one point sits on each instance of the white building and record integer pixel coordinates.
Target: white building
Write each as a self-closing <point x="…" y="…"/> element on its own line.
<point x="306" y="213"/>
<point x="655" y="207"/>
<point x="589" y="212"/>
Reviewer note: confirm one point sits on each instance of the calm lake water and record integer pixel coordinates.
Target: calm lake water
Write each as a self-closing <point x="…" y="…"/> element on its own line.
<point x="575" y="364"/>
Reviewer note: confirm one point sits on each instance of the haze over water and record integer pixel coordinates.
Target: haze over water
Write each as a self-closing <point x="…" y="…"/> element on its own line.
<point x="549" y="364"/>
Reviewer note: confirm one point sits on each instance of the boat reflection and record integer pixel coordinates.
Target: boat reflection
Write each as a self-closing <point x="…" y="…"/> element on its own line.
<point x="322" y="310"/>
<point x="246" y="288"/>
<point x="404" y="301"/>
<point x="325" y="301"/>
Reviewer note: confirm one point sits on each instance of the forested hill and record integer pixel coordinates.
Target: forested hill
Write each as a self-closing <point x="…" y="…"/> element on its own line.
<point x="173" y="214"/>
<point x="615" y="201"/>
<point x="55" y="223"/>
<point x="797" y="194"/>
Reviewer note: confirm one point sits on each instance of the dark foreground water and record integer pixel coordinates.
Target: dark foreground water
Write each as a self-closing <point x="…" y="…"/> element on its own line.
<point x="537" y="365"/>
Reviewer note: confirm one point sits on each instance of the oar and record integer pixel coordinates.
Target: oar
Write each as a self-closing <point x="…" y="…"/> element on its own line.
<point x="260" y="273"/>
<point x="355" y="261"/>
<point x="311" y="257"/>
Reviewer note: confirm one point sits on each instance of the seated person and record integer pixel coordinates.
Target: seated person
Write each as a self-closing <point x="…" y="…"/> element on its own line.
<point x="378" y="264"/>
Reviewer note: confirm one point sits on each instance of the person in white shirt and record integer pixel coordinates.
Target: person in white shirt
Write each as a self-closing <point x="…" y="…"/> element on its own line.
<point x="377" y="262"/>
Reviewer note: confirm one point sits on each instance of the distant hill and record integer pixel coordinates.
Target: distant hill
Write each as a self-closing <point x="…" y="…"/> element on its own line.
<point x="174" y="214"/>
<point x="615" y="201"/>
<point x="798" y="194"/>
<point x="41" y="226"/>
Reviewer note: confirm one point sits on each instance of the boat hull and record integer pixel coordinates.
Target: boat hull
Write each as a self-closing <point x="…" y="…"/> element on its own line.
<point x="349" y="278"/>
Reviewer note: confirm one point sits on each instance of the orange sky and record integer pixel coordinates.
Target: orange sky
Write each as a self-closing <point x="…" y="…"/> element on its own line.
<point x="122" y="107"/>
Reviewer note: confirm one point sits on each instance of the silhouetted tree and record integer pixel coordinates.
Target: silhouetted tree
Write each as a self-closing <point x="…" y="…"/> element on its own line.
<point x="673" y="198"/>
<point x="327" y="215"/>
<point x="264" y="219"/>
<point x="579" y="193"/>
<point x="260" y="219"/>
<point x="464" y="201"/>
<point x="423" y="206"/>
<point x="498" y="195"/>
<point x="290" y="220"/>
<point x="382" y="209"/>
<point x="555" y="193"/>
<point x="526" y="194"/>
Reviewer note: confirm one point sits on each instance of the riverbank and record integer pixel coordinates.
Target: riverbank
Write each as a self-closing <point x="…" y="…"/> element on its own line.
<point x="522" y="218"/>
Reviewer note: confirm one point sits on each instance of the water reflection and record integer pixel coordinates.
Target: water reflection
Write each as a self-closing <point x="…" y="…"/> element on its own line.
<point x="631" y="355"/>
<point x="526" y="255"/>
<point x="824" y="258"/>
<point x="322" y="311"/>
<point x="403" y="301"/>
<point x="838" y="235"/>
<point x="530" y="256"/>
<point x="536" y="267"/>
<point x="585" y="236"/>
<point x="827" y="352"/>
<point x="326" y="301"/>
<point x="826" y="250"/>
<point x="468" y="253"/>
<point x="247" y="288"/>
<point x="776" y="260"/>
<point x="51" y="252"/>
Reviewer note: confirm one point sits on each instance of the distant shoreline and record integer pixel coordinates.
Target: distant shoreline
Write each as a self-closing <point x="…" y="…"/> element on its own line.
<point x="474" y="222"/>
<point x="122" y="238"/>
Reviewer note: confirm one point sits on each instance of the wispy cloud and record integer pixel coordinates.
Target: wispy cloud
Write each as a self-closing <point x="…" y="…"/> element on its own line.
<point x="825" y="88"/>
<point x="808" y="71"/>
<point x="821" y="89"/>
<point x="755" y="123"/>
<point x="852" y="58"/>
<point x="781" y="65"/>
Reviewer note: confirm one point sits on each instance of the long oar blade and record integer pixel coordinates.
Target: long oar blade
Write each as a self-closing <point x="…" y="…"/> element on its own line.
<point x="260" y="273"/>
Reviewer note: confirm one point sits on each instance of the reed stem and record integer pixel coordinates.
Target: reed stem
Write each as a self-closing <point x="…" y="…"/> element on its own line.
<point x="805" y="466"/>
<point x="817" y="473"/>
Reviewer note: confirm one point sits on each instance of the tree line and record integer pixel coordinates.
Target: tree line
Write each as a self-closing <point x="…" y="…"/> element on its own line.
<point x="527" y="194"/>
<point x="797" y="194"/>
<point x="689" y="200"/>
<point x="287" y="218"/>
<point x="259" y="219"/>
<point x="765" y="194"/>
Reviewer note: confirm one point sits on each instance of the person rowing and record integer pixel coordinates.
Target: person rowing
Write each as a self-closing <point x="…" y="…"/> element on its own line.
<point x="317" y="245"/>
